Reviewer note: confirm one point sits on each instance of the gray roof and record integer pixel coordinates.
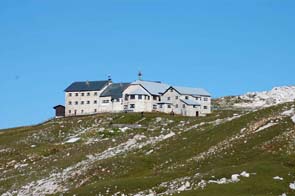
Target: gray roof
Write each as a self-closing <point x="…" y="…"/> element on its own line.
<point x="190" y="102"/>
<point x="87" y="86"/>
<point x="191" y="91"/>
<point x="115" y="90"/>
<point x="139" y="91"/>
<point x="155" y="88"/>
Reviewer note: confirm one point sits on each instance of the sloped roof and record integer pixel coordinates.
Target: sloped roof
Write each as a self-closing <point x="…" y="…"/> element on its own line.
<point x="139" y="91"/>
<point x="115" y="90"/>
<point x="190" y="102"/>
<point x="87" y="86"/>
<point x="191" y="91"/>
<point x="155" y="88"/>
<point x="57" y="106"/>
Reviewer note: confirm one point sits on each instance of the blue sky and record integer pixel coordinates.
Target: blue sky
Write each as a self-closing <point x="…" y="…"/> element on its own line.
<point x="226" y="46"/>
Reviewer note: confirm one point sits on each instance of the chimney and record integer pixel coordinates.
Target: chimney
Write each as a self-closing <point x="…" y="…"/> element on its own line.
<point x="109" y="79"/>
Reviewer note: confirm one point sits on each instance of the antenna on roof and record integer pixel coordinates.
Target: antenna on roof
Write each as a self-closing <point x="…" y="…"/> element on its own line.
<point x="109" y="78"/>
<point x="139" y="75"/>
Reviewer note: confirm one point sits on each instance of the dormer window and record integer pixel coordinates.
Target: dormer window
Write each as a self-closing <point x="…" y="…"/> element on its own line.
<point x="186" y="97"/>
<point x="82" y="94"/>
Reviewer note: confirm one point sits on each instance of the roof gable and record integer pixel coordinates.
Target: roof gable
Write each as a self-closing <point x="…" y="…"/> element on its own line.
<point x="87" y="86"/>
<point x="115" y="91"/>
<point x="154" y="88"/>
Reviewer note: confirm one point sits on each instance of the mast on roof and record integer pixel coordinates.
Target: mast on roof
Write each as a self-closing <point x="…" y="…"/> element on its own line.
<point x="139" y="75"/>
<point x="109" y="78"/>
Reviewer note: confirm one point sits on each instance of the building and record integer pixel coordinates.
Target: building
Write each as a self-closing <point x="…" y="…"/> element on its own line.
<point x="111" y="99"/>
<point x="92" y="97"/>
<point x="83" y="97"/>
<point x="143" y="96"/>
<point x="59" y="111"/>
<point x="186" y="101"/>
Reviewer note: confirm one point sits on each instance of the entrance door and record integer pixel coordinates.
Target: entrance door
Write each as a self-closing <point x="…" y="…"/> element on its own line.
<point x="197" y="113"/>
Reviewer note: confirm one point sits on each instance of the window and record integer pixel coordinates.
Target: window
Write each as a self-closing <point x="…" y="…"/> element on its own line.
<point x="139" y="96"/>
<point x="183" y="106"/>
<point x="176" y="105"/>
<point x="169" y="106"/>
<point x="205" y="107"/>
<point x="105" y="101"/>
<point x="82" y="111"/>
<point x="171" y="90"/>
<point x="76" y="102"/>
<point x="154" y="98"/>
<point x="154" y="107"/>
<point x="147" y="97"/>
<point x="126" y="97"/>
<point x="197" y="98"/>
<point x="168" y="98"/>
<point x="125" y="107"/>
<point x="82" y="94"/>
<point x="88" y="94"/>
<point x="70" y="103"/>
<point x="82" y="102"/>
<point x="70" y="94"/>
<point x="95" y="101"/>
<point x="70" y="111"/>
<point x="195" y="106"/>
<point x="132" y="106"/>
<point x="88" y="102"/>
<point x="186" y="97"/>
<point x="95" y="93"/>
<point x="132" y="96"/>
<point x="205" y="99"/>
<point x="161" y="106"/>
<point x="176" y="97"/>
<point x="77" y="94"/>
<point x="95" y="110"/>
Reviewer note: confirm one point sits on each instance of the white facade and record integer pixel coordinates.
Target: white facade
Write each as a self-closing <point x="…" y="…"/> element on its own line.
<point x="107" y="105"/>
<point x="185" y="104"/>
<point x="138" y="99"/>
<point x="82" y="102"/>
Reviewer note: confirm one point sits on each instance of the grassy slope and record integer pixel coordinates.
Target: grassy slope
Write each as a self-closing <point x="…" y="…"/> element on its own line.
<point x="171" y="159"/>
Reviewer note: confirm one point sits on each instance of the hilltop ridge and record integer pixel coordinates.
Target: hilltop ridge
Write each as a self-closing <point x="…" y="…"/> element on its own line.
<point x="229" y="152"/>
<point x="252" y="100"/>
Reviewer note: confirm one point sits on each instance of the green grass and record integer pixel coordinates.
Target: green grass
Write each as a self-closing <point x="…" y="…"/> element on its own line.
<point x="173" y="158"/>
